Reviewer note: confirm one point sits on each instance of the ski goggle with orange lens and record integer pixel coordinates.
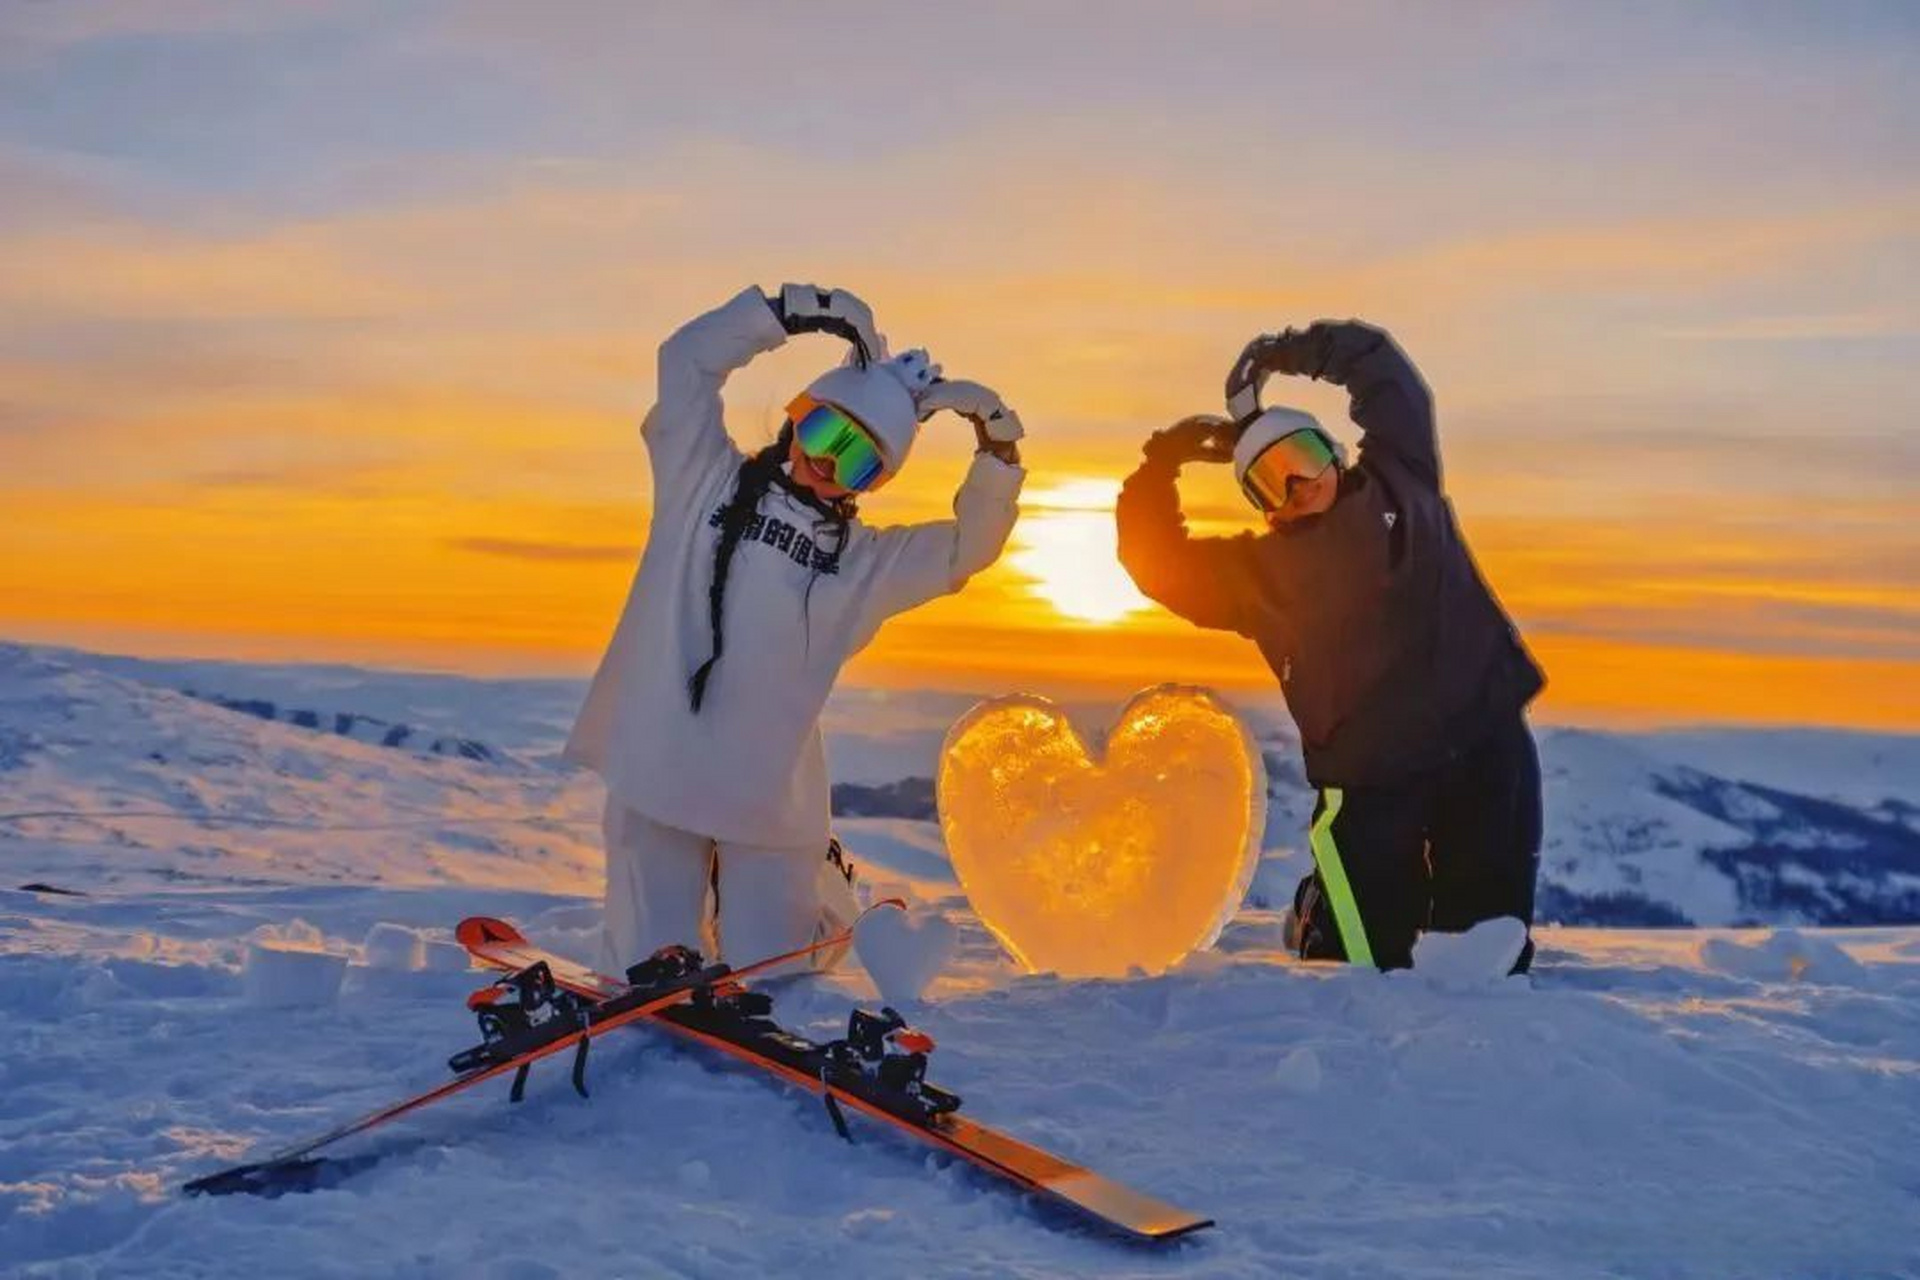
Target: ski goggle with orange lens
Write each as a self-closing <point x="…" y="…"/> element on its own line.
<point x="828" y="433"/>
<point x="1295" y="458"/>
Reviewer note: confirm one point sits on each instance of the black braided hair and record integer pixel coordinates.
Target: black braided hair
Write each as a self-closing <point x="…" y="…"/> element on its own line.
<point x="758" y="474"/>
<point x="750" y="485"/>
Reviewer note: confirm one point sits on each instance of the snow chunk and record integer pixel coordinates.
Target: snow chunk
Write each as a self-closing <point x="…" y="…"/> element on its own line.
<point x="1483" y="954"/>
<point x="286" y="965"/>
<point x="1300" y="1072"/>
<point x="294" y="935"/>
<point x="99" y="987"/>
<point x="1785" y="955"/>
<point x="437" y="955"/>
<point x="865" y="1224"/>
<point x="393" y="947"/>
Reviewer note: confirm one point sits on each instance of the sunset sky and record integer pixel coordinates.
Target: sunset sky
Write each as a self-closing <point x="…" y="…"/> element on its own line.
<point x="326" y="329"/>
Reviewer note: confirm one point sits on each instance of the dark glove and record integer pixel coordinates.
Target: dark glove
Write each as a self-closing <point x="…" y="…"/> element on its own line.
<point x="805" y="308"/>
<point x="1291" y="351"/>
<point x="1205" y="437"/>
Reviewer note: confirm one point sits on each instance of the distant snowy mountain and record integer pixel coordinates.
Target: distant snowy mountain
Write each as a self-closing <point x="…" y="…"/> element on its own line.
<point x="1704" y="827"/>
<point x="525" y="716"/>
<point x="1635" y="836"/>
<point x="351" y="724"/>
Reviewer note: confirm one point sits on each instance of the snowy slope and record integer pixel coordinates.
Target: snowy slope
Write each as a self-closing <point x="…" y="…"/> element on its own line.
<point x="1649" y="1106"/>
<point x="1674" y="1103"/>
<point x="108" y="780"/>
<point x="528" y="716"/>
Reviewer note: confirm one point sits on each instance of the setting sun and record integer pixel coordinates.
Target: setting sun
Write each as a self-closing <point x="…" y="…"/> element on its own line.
<point x="1064" y="547"/>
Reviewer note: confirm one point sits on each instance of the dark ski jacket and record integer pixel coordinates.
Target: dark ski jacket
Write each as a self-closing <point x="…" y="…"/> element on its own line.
<point x="1392" y="651"/>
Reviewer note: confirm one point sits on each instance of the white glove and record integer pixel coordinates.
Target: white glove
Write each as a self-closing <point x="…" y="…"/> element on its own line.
<point x="980" y="405"/>
<point x="806" y="308"/>
<point x="916" y="371"/>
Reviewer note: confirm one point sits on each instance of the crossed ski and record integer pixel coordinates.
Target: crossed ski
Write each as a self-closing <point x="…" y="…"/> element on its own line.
<point x="584" y="1023"/>
<point x="546" y="1004"/>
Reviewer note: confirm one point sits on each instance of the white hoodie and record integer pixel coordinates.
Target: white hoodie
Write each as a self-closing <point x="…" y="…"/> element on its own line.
<point x="751" y="767"/>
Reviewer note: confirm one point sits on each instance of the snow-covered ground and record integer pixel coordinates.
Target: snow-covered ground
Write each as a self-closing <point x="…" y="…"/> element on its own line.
<point x="1687" y="1102"/>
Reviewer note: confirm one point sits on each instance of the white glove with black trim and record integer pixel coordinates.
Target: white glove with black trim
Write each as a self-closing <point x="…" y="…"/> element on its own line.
<point x="806" y="308"/>
<point x="992" y="420"/>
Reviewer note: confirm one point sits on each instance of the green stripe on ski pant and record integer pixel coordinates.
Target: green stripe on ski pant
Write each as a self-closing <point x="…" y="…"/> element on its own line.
<point x="1333" y="879"/>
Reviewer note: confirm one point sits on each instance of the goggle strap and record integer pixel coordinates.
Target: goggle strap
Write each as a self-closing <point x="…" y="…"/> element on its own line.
<point x="800" y="406"/>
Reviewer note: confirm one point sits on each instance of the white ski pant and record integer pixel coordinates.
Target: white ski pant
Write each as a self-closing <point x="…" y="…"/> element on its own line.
<point x="737" y="902"/>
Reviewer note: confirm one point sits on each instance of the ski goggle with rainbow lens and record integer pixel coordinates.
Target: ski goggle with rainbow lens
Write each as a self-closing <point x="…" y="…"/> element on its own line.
<point x="1295" y="458"/>
<point x="829" y="433"/>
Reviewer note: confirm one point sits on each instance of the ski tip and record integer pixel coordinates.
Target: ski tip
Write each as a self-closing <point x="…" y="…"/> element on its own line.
<point x="1182" y="1230"/>
<point x="477" y="931"/>
<point x="267" y="1178"/>
<point x="271" y="1179"/>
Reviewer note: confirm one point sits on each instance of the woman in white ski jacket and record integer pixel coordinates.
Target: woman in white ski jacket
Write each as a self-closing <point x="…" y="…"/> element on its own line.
<point x="758" y="582"/>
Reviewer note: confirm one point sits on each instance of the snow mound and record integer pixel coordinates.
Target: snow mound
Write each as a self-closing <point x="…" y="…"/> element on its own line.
<point x="1784" y="955"/>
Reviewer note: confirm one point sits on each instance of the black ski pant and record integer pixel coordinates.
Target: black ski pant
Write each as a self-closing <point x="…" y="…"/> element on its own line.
<point x="1443" y="851"/>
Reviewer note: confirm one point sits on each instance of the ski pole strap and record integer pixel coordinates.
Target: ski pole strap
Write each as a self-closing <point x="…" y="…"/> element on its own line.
<point x="1333" y="878"/>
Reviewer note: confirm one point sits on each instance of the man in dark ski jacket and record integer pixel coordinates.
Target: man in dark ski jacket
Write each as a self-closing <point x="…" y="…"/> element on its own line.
<point x="1406" y="679"/>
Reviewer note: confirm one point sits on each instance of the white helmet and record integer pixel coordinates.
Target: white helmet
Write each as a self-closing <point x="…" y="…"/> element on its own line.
<point x="882" y="396"/>
<point x="1271" y="425"/>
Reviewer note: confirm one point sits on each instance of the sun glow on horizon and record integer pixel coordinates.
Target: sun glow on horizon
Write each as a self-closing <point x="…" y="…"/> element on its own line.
<point x="1065" y="550"/>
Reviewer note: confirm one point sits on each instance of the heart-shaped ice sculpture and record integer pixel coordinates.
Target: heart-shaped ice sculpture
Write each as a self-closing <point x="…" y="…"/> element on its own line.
<point x="1094" y="867"/>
